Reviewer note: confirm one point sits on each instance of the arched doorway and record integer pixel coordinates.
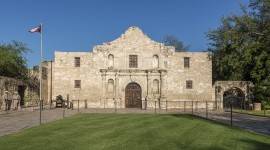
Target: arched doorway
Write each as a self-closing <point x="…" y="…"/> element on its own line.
<point x="234" y="95"/>
<point x="133" y="95"/>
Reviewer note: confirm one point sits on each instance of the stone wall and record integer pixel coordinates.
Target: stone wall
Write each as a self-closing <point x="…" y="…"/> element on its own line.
<point x="221" y="87"/>
<point x="105" y="72"/>
<point x="200" y="72"/>
<point x="14" y="85"/>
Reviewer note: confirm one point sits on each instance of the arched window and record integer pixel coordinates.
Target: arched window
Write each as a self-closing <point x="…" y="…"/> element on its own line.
<point x="155" y="61"/>
<point x="111" y="59"/>
<point x="110" y="86"/>
<point x="155" y="86"/>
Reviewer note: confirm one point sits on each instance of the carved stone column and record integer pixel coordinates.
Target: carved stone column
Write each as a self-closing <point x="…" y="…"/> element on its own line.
<point x="103" y="75"/>
<point x="221" y="99"/>
<point x="103" y="98"/>
<point x="116" y="85"/>
<point x="162" y="87"/>
<point x="148" y="96"/>
<point x="149" y="80"/>
<point x="162" y="99"/>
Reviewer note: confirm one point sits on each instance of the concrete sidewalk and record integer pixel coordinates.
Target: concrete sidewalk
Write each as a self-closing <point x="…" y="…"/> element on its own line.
<point x="248" y="122"/>
<point x="24" y="118"/>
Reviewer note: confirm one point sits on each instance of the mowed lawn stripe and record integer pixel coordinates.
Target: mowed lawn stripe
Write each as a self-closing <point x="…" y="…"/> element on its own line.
<point x="134" y="131"/>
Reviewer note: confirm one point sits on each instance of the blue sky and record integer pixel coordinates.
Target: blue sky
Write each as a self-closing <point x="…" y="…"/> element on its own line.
<point x="78" y="25"/>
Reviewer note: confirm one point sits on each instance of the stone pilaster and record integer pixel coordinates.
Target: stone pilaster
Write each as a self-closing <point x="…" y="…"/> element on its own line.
<point x="103" y="99"/>
<point x="116" y="85"/>
<point x="149" y="80"/>
<point x="162" y="99"/>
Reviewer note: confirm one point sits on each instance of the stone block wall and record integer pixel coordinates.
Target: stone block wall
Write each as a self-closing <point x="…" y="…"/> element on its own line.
<point x="14" y="85"/>
<point x="105" y="72"/>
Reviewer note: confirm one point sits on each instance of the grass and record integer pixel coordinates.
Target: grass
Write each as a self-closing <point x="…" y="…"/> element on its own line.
<point x="130" y="131"/>
<point x="253" y="112"/>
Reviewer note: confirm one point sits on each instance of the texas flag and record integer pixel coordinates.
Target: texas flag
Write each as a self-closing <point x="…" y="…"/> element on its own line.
<point x="37" y="29"/>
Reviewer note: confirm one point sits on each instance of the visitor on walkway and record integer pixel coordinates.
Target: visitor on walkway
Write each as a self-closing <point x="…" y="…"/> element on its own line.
<point x="16" y="99"/>
<point x="7" y="101"/>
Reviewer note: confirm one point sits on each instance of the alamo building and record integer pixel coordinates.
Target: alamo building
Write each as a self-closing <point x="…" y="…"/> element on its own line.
<point x="132" y="71"/>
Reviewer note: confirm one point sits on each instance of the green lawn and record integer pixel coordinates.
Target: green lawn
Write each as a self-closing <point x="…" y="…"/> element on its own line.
<point x="130" y="131"/>
<point x="253" y="112"/>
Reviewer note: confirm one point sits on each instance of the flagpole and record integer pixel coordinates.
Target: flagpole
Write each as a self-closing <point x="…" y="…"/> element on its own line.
<point x="40" y="73"/>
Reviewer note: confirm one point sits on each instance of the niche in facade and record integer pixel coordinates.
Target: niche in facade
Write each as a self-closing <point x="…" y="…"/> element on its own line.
<point x="155" y="86"/>
<point x="111" y="61"/>
<point x="155" y="61"/>
<point x="110" y="86"/>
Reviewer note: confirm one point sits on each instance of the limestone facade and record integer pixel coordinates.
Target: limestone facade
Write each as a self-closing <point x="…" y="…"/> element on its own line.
<point x="131" y="71"/>
<point x="245" y="87"/>
<point x="15" y="85"/>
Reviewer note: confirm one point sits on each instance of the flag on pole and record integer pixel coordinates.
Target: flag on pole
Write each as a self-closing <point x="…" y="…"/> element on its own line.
<point x="37" y="29"/>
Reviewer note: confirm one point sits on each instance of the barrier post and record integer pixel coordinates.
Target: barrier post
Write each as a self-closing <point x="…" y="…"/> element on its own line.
<point x="192" y="107"/>
<point x="231" y="112"/>
<point x="115" y="109"/>
<point x="206" y="109"/>
<point x="166" y="105"/>
<point x="184" y="106"/>
<point x="63" y="104"/>
<point x="78" y="107"/>
<point x="155" y="107"/>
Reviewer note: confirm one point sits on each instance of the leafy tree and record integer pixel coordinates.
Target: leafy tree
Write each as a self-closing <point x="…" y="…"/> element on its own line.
<point x="240" y="47"/>
<point x="172" y="40"/>
<point x="12" y="61"/>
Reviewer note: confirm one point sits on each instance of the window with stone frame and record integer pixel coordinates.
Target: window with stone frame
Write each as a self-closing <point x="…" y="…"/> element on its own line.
<point x="133" y="61"/>
<point x="186" y="62"/>
<point x="77" y="61"/>
<point x="189" y="84"/>
<point x="77" y="84"/>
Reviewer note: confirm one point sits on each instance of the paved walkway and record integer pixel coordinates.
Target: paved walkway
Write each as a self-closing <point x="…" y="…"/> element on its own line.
<point x="248" y="122"/>
<point x="17" y="120"/>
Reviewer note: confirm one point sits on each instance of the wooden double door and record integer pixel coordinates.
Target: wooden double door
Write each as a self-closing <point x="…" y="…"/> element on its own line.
<point x="133" y="96"/>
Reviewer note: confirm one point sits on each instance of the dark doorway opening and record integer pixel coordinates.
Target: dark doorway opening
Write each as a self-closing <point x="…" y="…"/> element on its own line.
<point x="21" y="90"/>
<point x="234" y="95"/>
<point x="133" y="96"/>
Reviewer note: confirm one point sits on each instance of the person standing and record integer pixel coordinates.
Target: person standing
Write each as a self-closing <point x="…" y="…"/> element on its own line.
<point x="6" y="99"/>
<point x="16" y="98"/>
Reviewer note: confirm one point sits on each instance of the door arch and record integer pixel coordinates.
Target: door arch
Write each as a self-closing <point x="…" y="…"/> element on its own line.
<point x="133" y="96"/>
<point x="233" y="95"/>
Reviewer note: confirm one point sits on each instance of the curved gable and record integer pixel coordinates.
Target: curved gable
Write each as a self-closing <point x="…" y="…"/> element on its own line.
<point x="133" y="40"/>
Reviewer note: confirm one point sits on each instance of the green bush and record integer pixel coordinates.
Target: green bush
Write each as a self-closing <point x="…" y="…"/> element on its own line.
<point x="27" y="98"/>
<point x="267" y="107"/>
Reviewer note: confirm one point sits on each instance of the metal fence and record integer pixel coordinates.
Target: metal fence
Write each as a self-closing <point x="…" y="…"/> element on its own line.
<point x="202" y="108"/>
<point x="31" y="114"/>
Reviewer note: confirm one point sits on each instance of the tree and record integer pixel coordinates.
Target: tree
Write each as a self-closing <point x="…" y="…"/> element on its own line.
<point x="12" y="61"/>
<point x="172" y="40"/>
<point x="240" y="46"/>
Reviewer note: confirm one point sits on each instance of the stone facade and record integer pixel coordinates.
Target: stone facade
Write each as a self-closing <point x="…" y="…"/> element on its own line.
<point x="244" y="87"/>
<point x="14" y="85"/>
<point x="129" y="68"/>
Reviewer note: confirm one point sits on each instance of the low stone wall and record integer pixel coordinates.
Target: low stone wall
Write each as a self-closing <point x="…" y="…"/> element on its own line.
<point x="14" y="85"/>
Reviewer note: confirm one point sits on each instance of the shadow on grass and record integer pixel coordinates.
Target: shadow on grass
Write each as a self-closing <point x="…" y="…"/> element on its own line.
<point x="255" y="145"/>
<point x="194" y="117"/>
